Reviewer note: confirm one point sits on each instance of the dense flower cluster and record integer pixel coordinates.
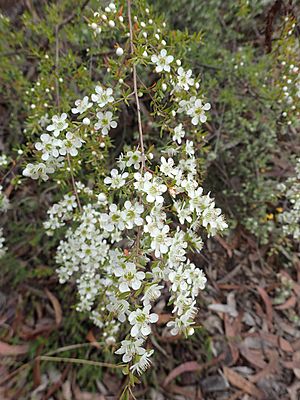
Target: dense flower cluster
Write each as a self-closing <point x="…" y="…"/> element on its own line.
<point x="4" y="201"/>
<point x="290" y="218"/>
<point x="2" y="240"/>
<point x="289" y="82"/>
<point x="128" y="243"/>
<point x="4" y="206"/>
<point x="3" y="160"/>
<point x="61" y="143"/>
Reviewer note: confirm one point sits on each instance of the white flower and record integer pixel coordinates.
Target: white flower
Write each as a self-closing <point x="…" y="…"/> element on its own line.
<point x="4" y="201"/>
<point x="134" y="158"/>
<point x="197" y="111"/>
<point x="106" y="222"/>
<point x="130" y="348"/>
<point x="154" y="190"/>
<point x="129" y="277"/>
<point x="49" y="146"/>
<point x="178" y="279"/>
<point x="70" y="145"/>
<point x="3" y="160"/>
<point x="81" y="105"/>
<point x="121" y="163"/>
<point x="59" y="213"/>
<point x="184" y="80"/>
<point x="141" y="180"/>
<point x="101" y="198"/>
<point x="162" y="61"/>
<point x="119" y="51"/>
<point x="119" y="307"/>
<point x="116" y="180"/>
<point x="189" y="185"/>
<point x="2" y="240"/>
<point x="151" y="293"/>
<point x="36" y="171"/>
<point x="105" y="122"/>
<point x="197" y="279"/>
<point x="167" y="167"/>
<point x="112" y="7"/>
<point x="184" y="105"/>
<point x="115" y="217"/>
<point x="178" y="133"/>
<point x="158" y="215"/>
<point x="212" y="220"/>
<point x="152" y="226"/>
<point x="58" y="124"/>
<point x="141" y="320"/>
<point x="189" y="165"/>
<point x="195" y="240"/>
<point x="132" y="214"/>
<point x="177" y="250"/>
<point x="183" y="303"/>
<point x="160" y="241"/>
<point x="102" y="96"/>
<point x="143" y="363"/>
<point x="181" y="325"/>
<point x="189" y="148"/>
<point x="53" y="163"/>
<point x="44" y="120"/>
<point x="183" y="212"/>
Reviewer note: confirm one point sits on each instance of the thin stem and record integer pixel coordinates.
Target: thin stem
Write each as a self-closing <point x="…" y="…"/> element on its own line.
<point x="56" y="64"/>
<point x="73" y="182"/>
<point x="80" y="361"/>
<point x="71" y="347"/>
<point x="135" y="87"/>
<point x="51" y="353"/>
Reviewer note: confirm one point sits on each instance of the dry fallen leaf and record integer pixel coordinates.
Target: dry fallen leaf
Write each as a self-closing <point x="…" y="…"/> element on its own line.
<point x="190" y="366"/>
<point x="223" y="308"/>
<point x="254" y="357"/>
<point x="290" y="303"/>
<point x="225" y="245"/>
<point x="232" y="334"/>
<point x="214" y="383"/>
<point x="12" y="350"/>
<point x="241" y="383"/>
<point x="79" y="395"/>
<point x="188" y="394"/>
<point x="296" y="359"/>
<point x="268" y="304"/>
<point x="271" y="368"/>
<point x="56" y="306"/>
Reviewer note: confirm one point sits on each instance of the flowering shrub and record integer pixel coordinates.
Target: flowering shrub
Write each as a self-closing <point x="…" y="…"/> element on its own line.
<point x="4" y="205"/>
<point x="290" y="217"/>
<point x="128" y="232"/>
<point x="116" y="142"/>
<point x="254" y="92"/>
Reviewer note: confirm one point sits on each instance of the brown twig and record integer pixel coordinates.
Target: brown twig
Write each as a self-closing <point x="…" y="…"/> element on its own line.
<point x="73" y="183"/>
<point x="275" y="9"/>
<point x="135" y="87"/>
<point x="56" y="65"/>
<point x="68" y="19"/>
<point x="58" y="27"/>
